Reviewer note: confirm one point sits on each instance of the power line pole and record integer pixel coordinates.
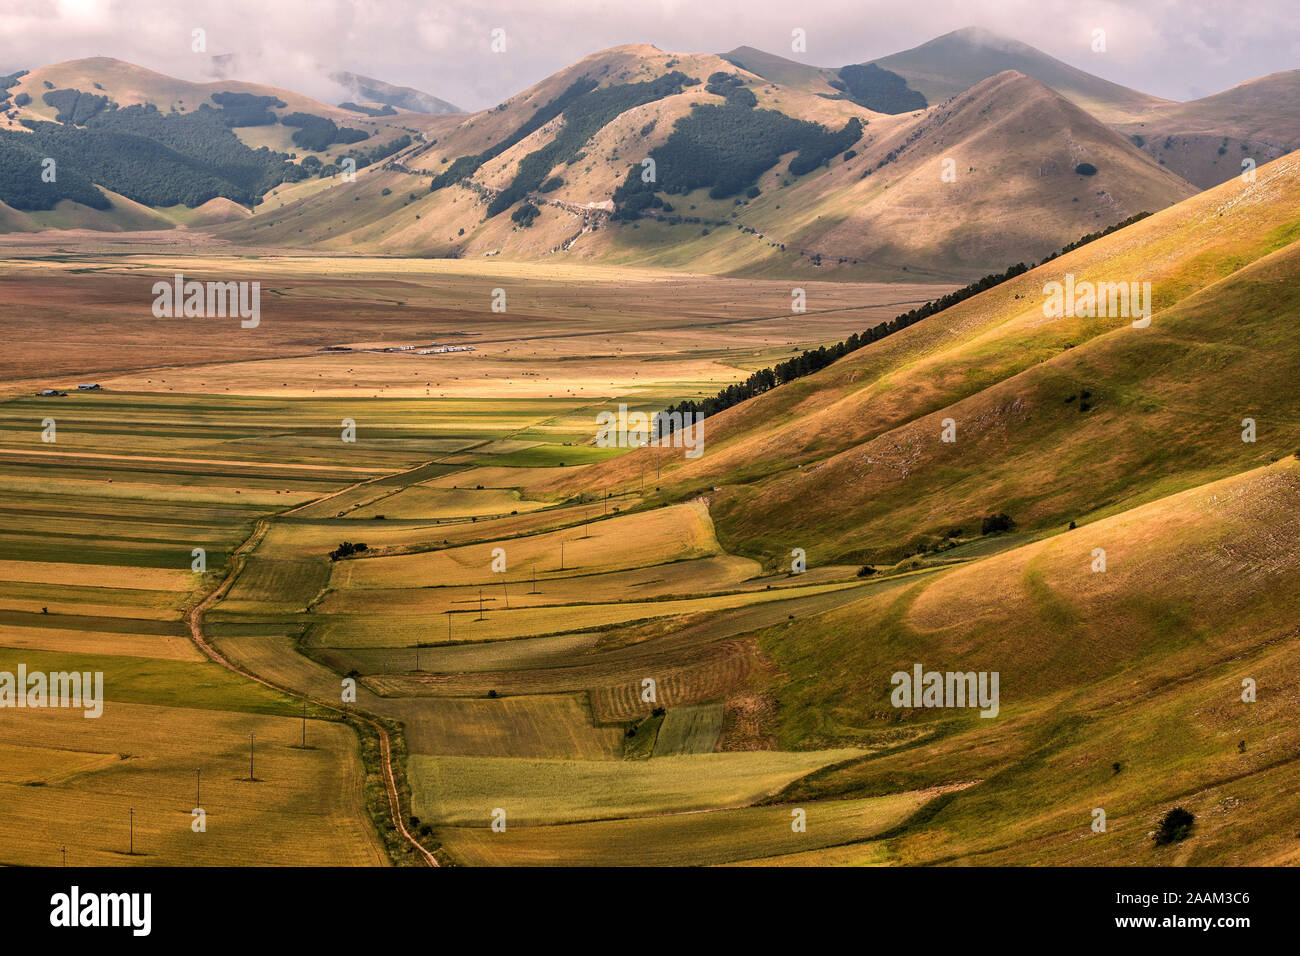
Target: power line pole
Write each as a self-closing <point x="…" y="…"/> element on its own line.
<point x="480" y="604"/>
<point x="534" y="591"/>
<point x="506" y="591"/>
<point x="250" y="757"/>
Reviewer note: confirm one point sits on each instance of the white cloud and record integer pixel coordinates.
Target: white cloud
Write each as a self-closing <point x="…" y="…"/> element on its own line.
<point x="1165" y="48"/>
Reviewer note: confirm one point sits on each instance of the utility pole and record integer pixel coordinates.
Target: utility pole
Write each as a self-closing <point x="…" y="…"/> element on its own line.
<point x="250" y="756"/>
<point x="417" y="655"/>
<point x="480" y="604"/>
<point x="506" y="591"/>
<point x="448" y="624"/>
<point x="534" y="591"/>
<point x="561" y="555"/>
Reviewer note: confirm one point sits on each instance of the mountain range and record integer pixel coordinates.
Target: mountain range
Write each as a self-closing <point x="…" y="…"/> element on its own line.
<point x="948" y="161"/>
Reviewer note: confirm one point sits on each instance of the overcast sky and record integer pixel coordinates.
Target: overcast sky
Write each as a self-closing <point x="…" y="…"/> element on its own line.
<point x="1179" y="49"/>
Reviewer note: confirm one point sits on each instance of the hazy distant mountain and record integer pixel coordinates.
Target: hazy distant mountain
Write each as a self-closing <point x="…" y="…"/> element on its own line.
<point x="369" y="90"/>
<point x="947" y="65"/>
<point x="779" y="69"/>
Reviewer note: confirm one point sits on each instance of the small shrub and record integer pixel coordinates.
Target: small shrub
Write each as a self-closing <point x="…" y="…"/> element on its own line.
<point x="1174" y="827"/>
<point x="525" y="215"/>
<point x="993" y="524"/>
<point x="347" y="549"/>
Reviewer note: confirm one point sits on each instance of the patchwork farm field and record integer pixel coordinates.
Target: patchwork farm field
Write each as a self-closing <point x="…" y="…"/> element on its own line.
<point x="507" y="644"/>
<point x="173" y="531"/>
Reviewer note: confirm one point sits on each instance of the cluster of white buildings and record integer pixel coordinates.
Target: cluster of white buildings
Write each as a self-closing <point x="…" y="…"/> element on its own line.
<point x="433" y="349"/>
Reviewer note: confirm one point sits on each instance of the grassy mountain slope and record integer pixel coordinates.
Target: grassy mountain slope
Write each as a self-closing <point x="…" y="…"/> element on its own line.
<point x="128" y="84"/>
<point x="1166" y="402"/>
<point x="1203" y="141"/>
<point x="122" y="215"/>
<point x="165" y="144"/>
<point x="1120" y="690"/>
<point x="1014" y="146"/>
<point x="1120" y="685"/>
<point x="1206" y="140"/>
<point x="432" y="222"/>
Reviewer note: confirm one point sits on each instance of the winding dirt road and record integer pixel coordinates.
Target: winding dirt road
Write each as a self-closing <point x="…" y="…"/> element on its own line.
<point x="195" y="621"/>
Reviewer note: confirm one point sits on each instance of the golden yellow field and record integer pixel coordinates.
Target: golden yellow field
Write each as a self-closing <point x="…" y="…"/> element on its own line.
<point x="71" y="782"/>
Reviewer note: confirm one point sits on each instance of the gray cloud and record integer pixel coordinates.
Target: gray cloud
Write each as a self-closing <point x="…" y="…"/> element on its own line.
<point x="1177" y="50"/>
